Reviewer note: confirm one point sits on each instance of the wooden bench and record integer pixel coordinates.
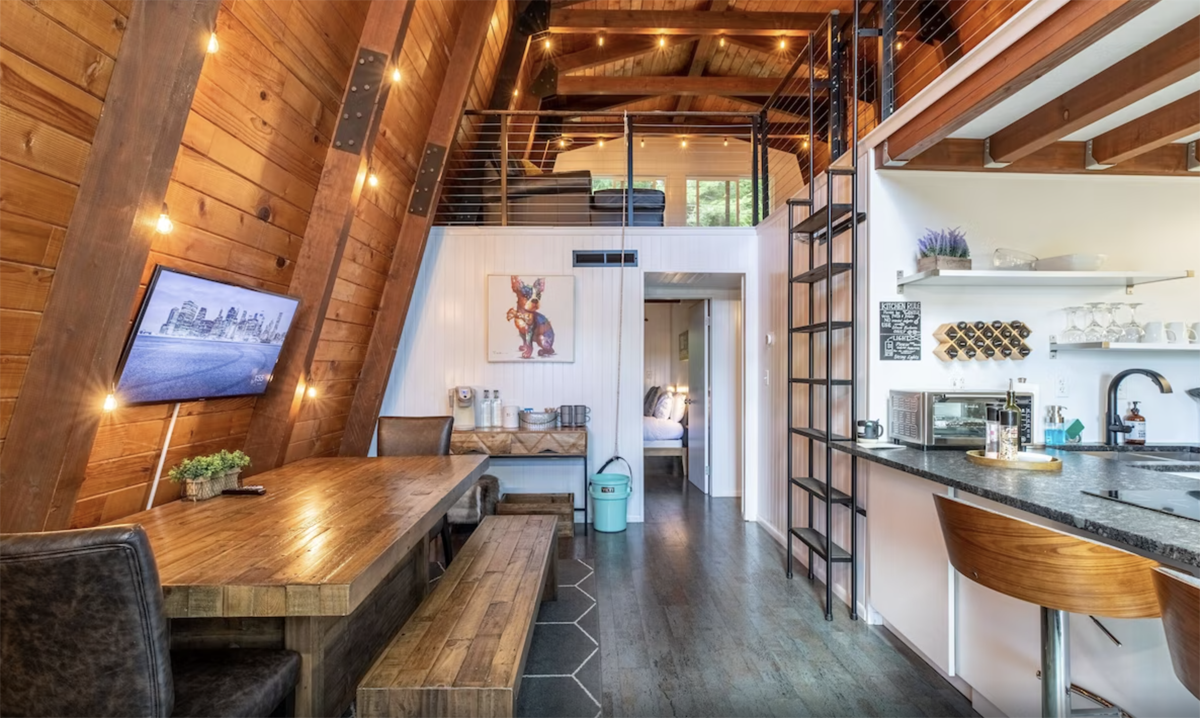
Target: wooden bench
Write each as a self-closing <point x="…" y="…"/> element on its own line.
<point x="463" y="652"/>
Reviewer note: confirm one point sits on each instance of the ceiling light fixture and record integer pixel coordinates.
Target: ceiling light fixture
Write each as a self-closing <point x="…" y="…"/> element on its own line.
<point x="721" y="41"/>
<point x="726" y="142"/>
<point x="516" y="92"/>
<point x="312" y="392"/>
<point x="600" y="39"/>
<point x="804" y="144"/>
<point x="164" y="225"/>
<point x="662" y="40"/>
<point x="547" y="44"/>
<point x="213" y="45"/>
<point x="782" y="43"/>
<point x="683" y="144"/>
<point x="601" y="143"/>
<point x="643" y="143"/>
<point x="395" y="74"/>
<point x="372" y="178"/>
<point x="110" y="402"/>
<point x="899" y="44"/>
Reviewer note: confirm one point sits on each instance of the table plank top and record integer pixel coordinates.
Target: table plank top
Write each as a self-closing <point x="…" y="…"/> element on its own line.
<point x="326" y="533"/>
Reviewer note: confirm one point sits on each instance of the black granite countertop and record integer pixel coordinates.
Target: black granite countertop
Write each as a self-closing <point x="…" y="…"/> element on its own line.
<point x="1058" y="496"/>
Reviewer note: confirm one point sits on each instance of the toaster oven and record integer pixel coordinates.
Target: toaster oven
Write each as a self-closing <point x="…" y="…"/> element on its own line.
<point x="939" y="419"/>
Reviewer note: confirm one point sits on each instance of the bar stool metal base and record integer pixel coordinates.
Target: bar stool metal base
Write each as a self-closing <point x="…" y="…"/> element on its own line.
<point x="1056" y="673"/>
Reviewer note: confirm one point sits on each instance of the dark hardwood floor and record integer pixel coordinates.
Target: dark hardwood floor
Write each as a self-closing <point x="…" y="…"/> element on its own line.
<point x="696" y="618"/>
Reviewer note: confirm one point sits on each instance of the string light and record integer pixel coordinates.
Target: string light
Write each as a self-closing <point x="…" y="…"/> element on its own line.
<point x="395" y="74"/>
<point x="721" y="41"/>
<point x="726" y="142"/>
<point x="601" y="142"/>
<point x="899" y="44"/>
<point x="213" y="45"/>
<point x="600" y="39"/>
<point x="643" y="143"/>
<point x="804" y="144"/>
<point x="683" y="144"/>
<point x="110" y="402"/>
<point x="312" y="392"/>
<point x="516" y="92"/>
<point x="372" y="178"/>
<point x="782" y="43"/>
<point x="662" y="41"/>
<point x="562" y="142"/>
<point x="547" y="43"/>
<point x="164" y="225"/>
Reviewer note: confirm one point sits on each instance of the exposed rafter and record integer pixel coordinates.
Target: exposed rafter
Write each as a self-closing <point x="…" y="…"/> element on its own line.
<point x="1150" y="131"/>
<point x="957" y="155"/>
<point x="683" y="22"/>
<point x="1163" y="62"/>
<point x="701" y="55"/>
<point x="722" y="86"/>
<point x="614" y="50"/>
<point x="1074" y="27"/>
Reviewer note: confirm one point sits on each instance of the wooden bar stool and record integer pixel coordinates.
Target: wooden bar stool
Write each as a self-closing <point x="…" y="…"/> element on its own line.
<point x="1179" y="600"/>
<point x="1059" y="572"/>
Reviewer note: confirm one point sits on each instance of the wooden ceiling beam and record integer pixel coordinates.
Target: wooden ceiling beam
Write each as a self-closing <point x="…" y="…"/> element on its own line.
<point x="683" y="22"/>
<point x="660" y="86"/>
<point x="614" y="50"/>
<point x="1074" y="27"/>
<point x="768" y="45"/>
<point x="1163" y="62"/>
<point x="104" y="252"/>
<point x="325" y="236"/>
<point x="1148" y="132"/>
<point x="958" y="155"/>
<point x="414" y="232"/>
<point x="701" y="55"/>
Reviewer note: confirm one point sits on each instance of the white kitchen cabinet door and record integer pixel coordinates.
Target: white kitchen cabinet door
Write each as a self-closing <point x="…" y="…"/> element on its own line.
<point x="910" y="575"/>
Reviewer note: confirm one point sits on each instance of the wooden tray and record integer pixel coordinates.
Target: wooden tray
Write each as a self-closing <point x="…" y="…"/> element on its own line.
<point x="976" y="457"/>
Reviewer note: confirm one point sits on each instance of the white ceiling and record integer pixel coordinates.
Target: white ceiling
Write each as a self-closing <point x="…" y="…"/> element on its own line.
<point x="693" y="280"/>
<point x="1155" y="22"/>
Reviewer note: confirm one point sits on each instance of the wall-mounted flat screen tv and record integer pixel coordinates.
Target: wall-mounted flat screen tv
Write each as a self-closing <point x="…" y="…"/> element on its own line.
<point x="197" y="338"/>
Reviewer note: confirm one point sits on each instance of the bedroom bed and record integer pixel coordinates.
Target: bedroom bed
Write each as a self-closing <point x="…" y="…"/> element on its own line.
<point x="664" y="426"/>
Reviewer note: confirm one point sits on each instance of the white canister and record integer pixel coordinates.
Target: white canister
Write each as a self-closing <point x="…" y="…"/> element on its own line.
<point x="510" y="416"/>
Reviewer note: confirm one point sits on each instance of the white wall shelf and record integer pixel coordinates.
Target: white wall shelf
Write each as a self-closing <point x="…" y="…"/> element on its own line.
<point x="1056" y="347"/>
<point x="1016" y="278"/>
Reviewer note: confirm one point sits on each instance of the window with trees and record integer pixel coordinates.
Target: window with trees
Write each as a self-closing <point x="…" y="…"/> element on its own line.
<point x="658" y="183"/>
<point x="720" y="202"/>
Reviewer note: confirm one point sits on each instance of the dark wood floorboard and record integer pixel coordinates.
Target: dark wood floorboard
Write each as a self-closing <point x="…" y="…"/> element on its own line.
<point x="696" y="618"/>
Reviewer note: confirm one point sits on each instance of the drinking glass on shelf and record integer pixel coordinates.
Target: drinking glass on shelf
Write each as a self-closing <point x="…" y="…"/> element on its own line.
<point x="1131" y="331"/>
<point x="1073" y="334"/>
<point x="1094" y="331"/>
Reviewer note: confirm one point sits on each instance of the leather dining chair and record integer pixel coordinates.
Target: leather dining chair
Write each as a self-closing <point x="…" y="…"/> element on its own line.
<point x="83" y="633"/>
<point x="1179" y="599"/>
<point x="430" y="436"/>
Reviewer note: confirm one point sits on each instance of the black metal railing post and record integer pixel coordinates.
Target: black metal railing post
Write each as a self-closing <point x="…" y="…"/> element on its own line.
<point x="887" y="102"/>
<point x="503" y="170"/>
<point x="837" y="94"/>
<point x="764" y="130"/>
<point x="628" y="171"/>
<point x="754" y="178"/>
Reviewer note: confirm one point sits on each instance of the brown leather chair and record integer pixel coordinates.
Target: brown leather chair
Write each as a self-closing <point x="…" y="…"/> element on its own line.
<point x="1179" y="599"/>
<point x="83" y="633"/>
<point x="1059" y="572"/>
<point x="414" y="435"/>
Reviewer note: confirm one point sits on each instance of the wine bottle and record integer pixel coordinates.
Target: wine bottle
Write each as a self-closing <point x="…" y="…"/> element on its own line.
<point x="1010" y="402"/>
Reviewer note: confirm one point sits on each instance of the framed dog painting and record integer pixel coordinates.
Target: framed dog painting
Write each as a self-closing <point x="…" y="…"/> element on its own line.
<point x="531" y="318"/>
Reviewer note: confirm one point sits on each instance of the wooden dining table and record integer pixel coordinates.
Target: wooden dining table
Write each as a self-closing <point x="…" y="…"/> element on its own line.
<point x="330" y="562"/>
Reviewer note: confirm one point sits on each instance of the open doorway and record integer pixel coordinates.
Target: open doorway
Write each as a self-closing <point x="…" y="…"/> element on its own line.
<point x="694" y="379"/>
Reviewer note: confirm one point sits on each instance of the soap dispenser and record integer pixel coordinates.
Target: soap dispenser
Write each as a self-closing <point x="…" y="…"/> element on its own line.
<point x="1137" y="426"/>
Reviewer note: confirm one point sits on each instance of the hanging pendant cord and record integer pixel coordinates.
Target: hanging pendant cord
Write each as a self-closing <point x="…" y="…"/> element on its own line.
<point x="621" y="299"/>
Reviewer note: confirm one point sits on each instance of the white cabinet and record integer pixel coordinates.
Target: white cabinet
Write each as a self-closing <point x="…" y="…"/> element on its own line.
<point x="910" y="580"/>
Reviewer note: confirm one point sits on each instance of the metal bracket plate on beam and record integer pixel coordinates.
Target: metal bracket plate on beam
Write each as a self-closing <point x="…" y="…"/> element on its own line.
<point x="988" y="162"/>
<point x="887" y="158"/>
<point x="1193" y="164"/>
<point x="1089" y="162"/>
<point x="427" y="179"/>
<point x="365" y="86"/>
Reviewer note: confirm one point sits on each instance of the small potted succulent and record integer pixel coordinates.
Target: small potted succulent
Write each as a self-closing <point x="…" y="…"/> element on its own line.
<point x="204" y="477"/>
<point x="943" y="249"/>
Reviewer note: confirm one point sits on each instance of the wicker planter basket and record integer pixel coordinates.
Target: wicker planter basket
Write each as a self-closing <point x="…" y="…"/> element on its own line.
<point x="203" y="489"/>
<point x="925" y="264"/>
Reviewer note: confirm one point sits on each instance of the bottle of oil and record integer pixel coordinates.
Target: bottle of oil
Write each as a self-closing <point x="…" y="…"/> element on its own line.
<point x="1137" y="426"/>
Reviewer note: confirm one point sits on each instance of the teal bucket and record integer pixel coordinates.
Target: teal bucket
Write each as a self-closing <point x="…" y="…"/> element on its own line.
<point x="610" y="496"/>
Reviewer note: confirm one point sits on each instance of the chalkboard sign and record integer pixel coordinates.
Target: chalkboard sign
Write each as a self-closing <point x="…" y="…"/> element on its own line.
<point x="899" y="331"/>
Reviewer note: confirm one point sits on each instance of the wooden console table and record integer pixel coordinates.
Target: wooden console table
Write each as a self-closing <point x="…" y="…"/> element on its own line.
<point x="525" y="444"/>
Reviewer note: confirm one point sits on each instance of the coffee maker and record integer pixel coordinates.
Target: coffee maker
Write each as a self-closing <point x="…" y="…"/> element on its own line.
<point x="463" y="401"/>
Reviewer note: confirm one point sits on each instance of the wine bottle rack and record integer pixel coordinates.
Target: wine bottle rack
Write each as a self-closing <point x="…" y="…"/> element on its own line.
<point x="982" y="341"/>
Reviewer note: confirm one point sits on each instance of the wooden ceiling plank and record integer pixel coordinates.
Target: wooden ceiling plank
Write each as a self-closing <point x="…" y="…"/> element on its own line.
<point x="657" y="85"/>
<point x="1074" y="27"/>
<point x="410" y="245"/>
<point x="701" y="55"/>
<point x="961" y="155"/>
<point x="325" y="236"/>
<point x="1165" y="61"/>
<point x="614" y="50"/>
<point x="1148" y="132"/>
<point x="104" y="252"/>
<point x="683" y="22"/>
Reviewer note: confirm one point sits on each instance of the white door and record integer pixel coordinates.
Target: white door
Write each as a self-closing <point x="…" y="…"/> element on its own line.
<point x="698" y="398"/>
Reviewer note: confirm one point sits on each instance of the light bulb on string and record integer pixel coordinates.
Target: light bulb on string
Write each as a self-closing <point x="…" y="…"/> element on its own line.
<point x="547" y="43"/>
<point x="683" y="144"/>
<point x="312" y="392"/>
<point x="643" y="145"/>
<point x="601" y="142"/>
<point x="721" y="41"/>
<point x="725" y="143"/>
<point x="164" y="224"/>
<point x="804" y="144"/>
<point x="395" y="74"/>
<point x="372" y="178"/>
<point x="782" y="43"/>
<point x="516" y="92"/>
<point x="213" y="45"/>
<point x="110" y="402"/>
<point x="562" y="142"/>
<point x="662" y="41"/>
<point x="899" y="44"/>
<point x="600" y="39"/>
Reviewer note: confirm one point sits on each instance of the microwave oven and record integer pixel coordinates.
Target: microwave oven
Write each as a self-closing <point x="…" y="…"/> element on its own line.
<point x="941" y="419"/>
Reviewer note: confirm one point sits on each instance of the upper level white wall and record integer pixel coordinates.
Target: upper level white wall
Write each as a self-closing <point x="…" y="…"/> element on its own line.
<point x="1141" y="223"/>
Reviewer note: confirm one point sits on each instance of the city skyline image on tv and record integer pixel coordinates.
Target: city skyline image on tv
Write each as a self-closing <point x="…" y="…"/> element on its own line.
<point x="197" y="338"/>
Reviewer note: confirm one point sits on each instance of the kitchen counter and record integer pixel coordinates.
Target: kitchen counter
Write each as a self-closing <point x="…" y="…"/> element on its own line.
<point x="1058" y="497"/>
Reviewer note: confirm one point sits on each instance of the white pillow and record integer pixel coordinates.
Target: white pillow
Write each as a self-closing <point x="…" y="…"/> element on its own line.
<point x="662" y="407"/>
<point x="678" y="407"/>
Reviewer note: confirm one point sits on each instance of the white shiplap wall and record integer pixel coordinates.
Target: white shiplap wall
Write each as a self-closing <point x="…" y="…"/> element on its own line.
<point x="443" y="344"/>
<point x="659" y="342"/>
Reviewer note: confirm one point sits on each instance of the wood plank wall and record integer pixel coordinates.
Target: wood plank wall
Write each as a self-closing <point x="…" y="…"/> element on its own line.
<point x="361" y="276"/>
<point x="56" y="60"/>
<point x="240" y="194"/>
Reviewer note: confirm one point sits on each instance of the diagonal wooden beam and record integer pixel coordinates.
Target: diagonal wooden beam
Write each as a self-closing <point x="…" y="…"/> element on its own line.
<point x="1163" y="62"/>
<point x="659" y="85"/>
<point x="107" y="242"/>
<point x="328" y="229"/>
<point x="683" y="22"/>
<point x="701" y="55"/>
<point x="1074" y="27"/>
<point x="614" y="50"/>
<point x="1150" y="131"/>
<point x="410" y="246"/>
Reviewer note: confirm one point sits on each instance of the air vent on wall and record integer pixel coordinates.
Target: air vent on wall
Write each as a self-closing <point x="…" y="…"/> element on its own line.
<point x="603" y="258"/>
